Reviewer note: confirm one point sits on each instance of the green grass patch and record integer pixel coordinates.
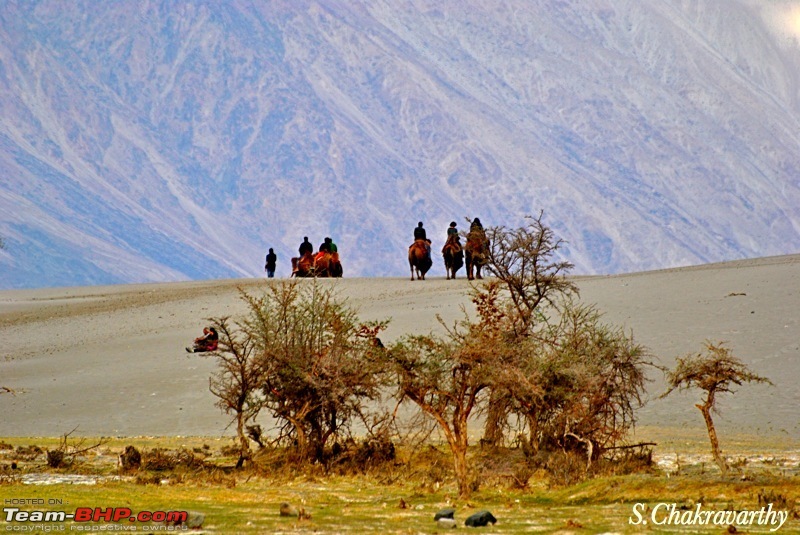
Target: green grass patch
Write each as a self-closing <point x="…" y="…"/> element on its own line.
<point x="401" y="498"/>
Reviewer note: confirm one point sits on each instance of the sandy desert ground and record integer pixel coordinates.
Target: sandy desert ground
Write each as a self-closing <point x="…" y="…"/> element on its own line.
<point x="110" y="360"/>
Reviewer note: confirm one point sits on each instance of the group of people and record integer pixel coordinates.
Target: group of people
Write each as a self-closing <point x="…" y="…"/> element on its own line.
<point x="210" y="338"/>
<point x="306" y="247"/>
<point x="452" y="234"/>
<point x="328" y="246"/>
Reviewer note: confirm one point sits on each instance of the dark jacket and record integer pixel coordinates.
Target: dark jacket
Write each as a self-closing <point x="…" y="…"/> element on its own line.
<point x="306" y="247"/>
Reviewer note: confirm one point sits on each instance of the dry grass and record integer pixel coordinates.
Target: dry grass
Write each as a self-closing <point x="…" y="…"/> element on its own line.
<point x="395" y="498"/>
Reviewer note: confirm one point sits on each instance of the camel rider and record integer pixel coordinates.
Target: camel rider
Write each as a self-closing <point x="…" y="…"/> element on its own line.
<point x="305" y="247"/>
<point x="452" y="238"/>
<point x="452" y="231"/>
<point x="420" y="234"/>
<point x="476" y="239"/>
<point x="325" y="246"/>
<point x="333" y="249"/>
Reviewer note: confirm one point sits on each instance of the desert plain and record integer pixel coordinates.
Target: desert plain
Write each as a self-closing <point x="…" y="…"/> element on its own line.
<point x="110" y="360"/>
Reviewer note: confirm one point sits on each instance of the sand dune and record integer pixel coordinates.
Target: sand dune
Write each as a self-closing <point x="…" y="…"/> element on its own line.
<point x="110" y="360"/>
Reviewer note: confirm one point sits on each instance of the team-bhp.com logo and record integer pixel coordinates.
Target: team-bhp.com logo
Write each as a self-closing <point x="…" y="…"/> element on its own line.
<point x="95" y="514"/>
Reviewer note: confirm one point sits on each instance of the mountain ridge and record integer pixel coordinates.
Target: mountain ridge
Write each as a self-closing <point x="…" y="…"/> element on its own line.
<point x="157" y="141"/>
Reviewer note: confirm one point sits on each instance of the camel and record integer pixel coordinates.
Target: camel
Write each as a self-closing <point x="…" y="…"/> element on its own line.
<point x="321" y="264"/>
<point x="476" y="252"/>
<point x="303" y="266"/>
<point x="418" y="258"/>
<point x="327" y="265"/>
<point x="453" y="257"/>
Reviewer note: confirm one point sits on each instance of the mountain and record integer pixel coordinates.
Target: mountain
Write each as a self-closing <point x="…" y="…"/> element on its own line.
<point x="160" y="140"/>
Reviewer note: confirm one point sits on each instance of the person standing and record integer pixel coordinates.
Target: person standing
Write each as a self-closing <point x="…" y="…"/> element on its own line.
<point x="272" y="260"/>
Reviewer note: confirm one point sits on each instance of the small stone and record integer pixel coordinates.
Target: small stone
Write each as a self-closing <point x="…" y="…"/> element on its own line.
<point x="445" y="513"/>
<point x="480" y="519"/>
<point x="288" y="509"/>
<point x="446" y="523"/>
<point x="195" y="520"/>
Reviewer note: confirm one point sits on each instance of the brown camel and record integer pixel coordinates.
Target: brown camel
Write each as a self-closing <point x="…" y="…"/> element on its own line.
<point x="476" y="252"/>
<point x="303" y="266"/>
<point x="418" y="258"/>
<point x="327" y="265"/>
<point x="453" y="257"/>
<point x="322" y="264"/>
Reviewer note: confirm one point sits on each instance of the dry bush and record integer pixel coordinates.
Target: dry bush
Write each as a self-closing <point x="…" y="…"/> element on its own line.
<point x="231" y="450"/>
<point x="163" y="460"/>
<point x="373" y="454"/>
<point x="565" y="468"/>
<point x="27" y="453"/>
<point x="303" y="355"/>
<point x="778" y="501"/>
<point x="430" y="466"/>
<point x="627" y="461"/>
<point x="67" y="451"/>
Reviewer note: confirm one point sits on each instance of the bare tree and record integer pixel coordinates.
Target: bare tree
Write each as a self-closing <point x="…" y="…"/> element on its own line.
<point x="574" y="381"/>
<point x="580" y="383"/>
<point x="446" y="378"/>
<point x="714" y="372"/>
<point x="317" y="362"/>
<point x="238" y="380"/>
<point x="524" y="259"/>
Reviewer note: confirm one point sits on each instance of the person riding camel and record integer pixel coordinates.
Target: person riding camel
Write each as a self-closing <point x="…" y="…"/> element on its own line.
<point x="452" y="238"/>
<point x="325" y="246"/>
<point x="420" y="234"/>
<point x="452" y="230"/>
<point x="305" y="260"/>
<point x="305" y="247"/>
<point x="476" y="232"/>
<point x="476" y="236"/>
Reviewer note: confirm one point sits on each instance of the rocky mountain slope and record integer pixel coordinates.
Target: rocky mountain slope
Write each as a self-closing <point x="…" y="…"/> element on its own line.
<point x="158" y="140"/>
